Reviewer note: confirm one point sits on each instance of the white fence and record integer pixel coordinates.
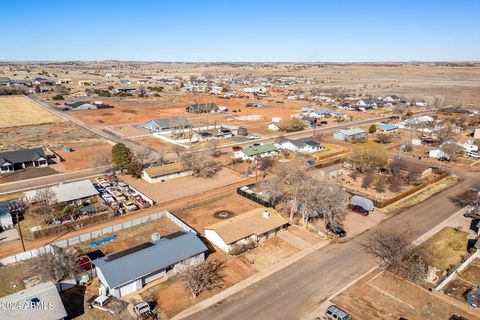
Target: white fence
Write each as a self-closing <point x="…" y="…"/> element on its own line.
<point x="98" y="233"/>
<point x="459" y="269"/>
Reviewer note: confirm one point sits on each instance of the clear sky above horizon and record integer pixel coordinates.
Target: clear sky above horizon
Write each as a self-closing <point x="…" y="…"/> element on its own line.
<point x="247" y="30"/>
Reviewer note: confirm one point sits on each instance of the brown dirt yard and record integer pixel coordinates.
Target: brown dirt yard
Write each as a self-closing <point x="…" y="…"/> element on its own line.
<point x="22" y="111"/>
<point x="172" y="296"/>
<point x="83" y="155"/>
<point x="466" y="280"/>
<point x="382" y="295"/>
<point x="185" y="186"/>
<point x="201" y="215"/>
<point x="268" y="253"/>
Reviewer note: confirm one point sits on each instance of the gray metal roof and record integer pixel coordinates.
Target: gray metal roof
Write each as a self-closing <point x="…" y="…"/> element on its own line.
<point x="68" y="191"/>
<point x="352" y="131"/>
<point x="171" y="122"/>
<point x="45" y="296"/>
<point x="161" y="254"/>
<point x="20" y="156"/>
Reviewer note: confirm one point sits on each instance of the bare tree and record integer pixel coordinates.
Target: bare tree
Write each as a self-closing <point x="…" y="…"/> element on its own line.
<point x="145" y="155"/>
<point x="207" y="275"/>
<point x="391" y="246"/>
<point x="468" y="198"/>
<point x="56" y="265"/>
<point x="367" y="179"/>
<point x="103" y="159"/>
<point x="213" y="147"/>
<point x="445" y="133"/>
<point x="452" y="150"/>
<point x="177" y="149"/>
<point x="368" y="157"/>
<point x="395" y="183"/>
<point x="380" y="184"/>
<point x="383" y="138"/>
<point x="201" y="164"/>
<point x="265" y="163"/>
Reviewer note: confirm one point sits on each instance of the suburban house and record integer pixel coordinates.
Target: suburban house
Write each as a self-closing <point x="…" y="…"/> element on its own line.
<point x="79" y="192"/>
<point x="332" y="172"/>
<point x="392" y="99"/>
<point x="367" y="103"/>
<point x="86" y="105"/>
<point x="212" y="134"/>
<point x="256" y="90"/>
<point x="167" y="124"/>
<point x="129" y="270"/>
<point x="387" y="127"/>
<point x="21" y="159"/>
<point x="125" y="90"/>
<point x="350" y="134"/>
<point x="165" y="172"/>
<point x="254" y="226"/>
<point x="6" y="221"/>
<point x="86" y="83"/>
<point x="319" y="114"/>
<point x="43" y="81"/>
<point x="264" y="150"/>
<point x="38" y="302"/>
<point x="64" y="81"/>
<point x="307" y="145"/>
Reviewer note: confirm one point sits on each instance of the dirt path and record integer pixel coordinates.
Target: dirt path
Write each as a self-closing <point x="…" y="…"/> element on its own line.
<point x="12" y="247"/>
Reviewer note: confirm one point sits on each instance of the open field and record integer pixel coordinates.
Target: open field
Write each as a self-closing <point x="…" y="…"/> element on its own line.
<point x="268" y="253"/>
<point x="382" y="295"/>
<point x="20" y="111"/>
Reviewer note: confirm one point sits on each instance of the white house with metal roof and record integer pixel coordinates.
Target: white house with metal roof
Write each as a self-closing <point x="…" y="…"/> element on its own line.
<point x="68" y="192"/>
<point x="127" y="271"/>
<point x="41" y="302"/>
<point x="350" y="134"/>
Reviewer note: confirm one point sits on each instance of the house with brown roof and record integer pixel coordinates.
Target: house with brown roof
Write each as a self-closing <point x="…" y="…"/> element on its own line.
<point x="251" y="227"/>
<point x="165" y="172"/>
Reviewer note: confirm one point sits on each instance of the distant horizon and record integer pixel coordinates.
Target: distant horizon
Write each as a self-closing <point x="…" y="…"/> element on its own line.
<point x="302" y="31"/>
<point x="249" y="62"/>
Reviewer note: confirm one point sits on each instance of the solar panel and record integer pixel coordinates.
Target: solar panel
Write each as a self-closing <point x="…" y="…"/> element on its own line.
<point x="128" y="251"/>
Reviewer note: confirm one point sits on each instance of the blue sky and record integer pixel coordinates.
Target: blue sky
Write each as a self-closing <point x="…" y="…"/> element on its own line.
<point x="203" y="30"/>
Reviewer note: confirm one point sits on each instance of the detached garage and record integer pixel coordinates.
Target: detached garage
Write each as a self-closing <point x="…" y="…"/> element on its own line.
<point x="129" y="270"/>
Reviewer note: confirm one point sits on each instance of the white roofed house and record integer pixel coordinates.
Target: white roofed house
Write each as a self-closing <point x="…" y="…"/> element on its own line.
<point x="251" y="227"/>
<point x="306" y="145"/>
<point x="79" y="191"/>
<point x="350" y="134"/>
<point x="127" y="271"/>
<point x="41" y="302"/>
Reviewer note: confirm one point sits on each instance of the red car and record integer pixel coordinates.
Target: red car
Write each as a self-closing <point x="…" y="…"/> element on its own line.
<point x="237" y="148"/>
<point x="359" y="210"/>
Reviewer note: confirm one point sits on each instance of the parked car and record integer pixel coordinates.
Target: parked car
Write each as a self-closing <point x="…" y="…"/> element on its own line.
<point x="236" y="148"/>
<point x="473" y="155"/>
<point x="323" y="123"/>
<point x="335" y="313"/>
<point x="472" y="214"/>
<point x="358" y="209"/>
<point x="130" y="206"/>
<point x="256" y="144"/>
<point x="251" y="137"/>
<point x="310" y="162"/>
<point x="337" y="231"/>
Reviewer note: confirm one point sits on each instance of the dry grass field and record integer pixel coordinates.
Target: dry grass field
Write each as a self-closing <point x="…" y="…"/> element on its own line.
<point x="19" y="111"/>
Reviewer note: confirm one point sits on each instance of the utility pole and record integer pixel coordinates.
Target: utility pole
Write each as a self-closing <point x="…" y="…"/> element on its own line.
<point x="20" y="232"/>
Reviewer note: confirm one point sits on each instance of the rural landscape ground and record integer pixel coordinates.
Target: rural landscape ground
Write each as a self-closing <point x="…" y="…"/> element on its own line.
<point x="142" y="154"/>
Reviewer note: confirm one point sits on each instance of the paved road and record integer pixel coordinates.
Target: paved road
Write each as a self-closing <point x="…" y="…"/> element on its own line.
<point x="23" y="185"/>
<point x="295" y="291"/>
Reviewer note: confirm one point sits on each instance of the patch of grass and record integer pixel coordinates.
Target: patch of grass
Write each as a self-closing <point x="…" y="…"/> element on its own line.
<point x="12" y="276"/>
<point x="446" y="249"/>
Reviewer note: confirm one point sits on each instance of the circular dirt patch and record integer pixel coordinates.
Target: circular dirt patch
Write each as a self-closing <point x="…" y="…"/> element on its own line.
<point x="223" y="214"/>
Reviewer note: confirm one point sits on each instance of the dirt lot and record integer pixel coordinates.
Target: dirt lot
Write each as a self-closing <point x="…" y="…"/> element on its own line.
<point x="385" y="296"/>
<point x="133" y="236"/>
<point x="53" y="135"/>
<point x="201" y="215"/>
<point x="83" y="155"/>
<point x="22" y="112"/>
<point x="268" y="253"/>
<point x="183" y="187"/>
